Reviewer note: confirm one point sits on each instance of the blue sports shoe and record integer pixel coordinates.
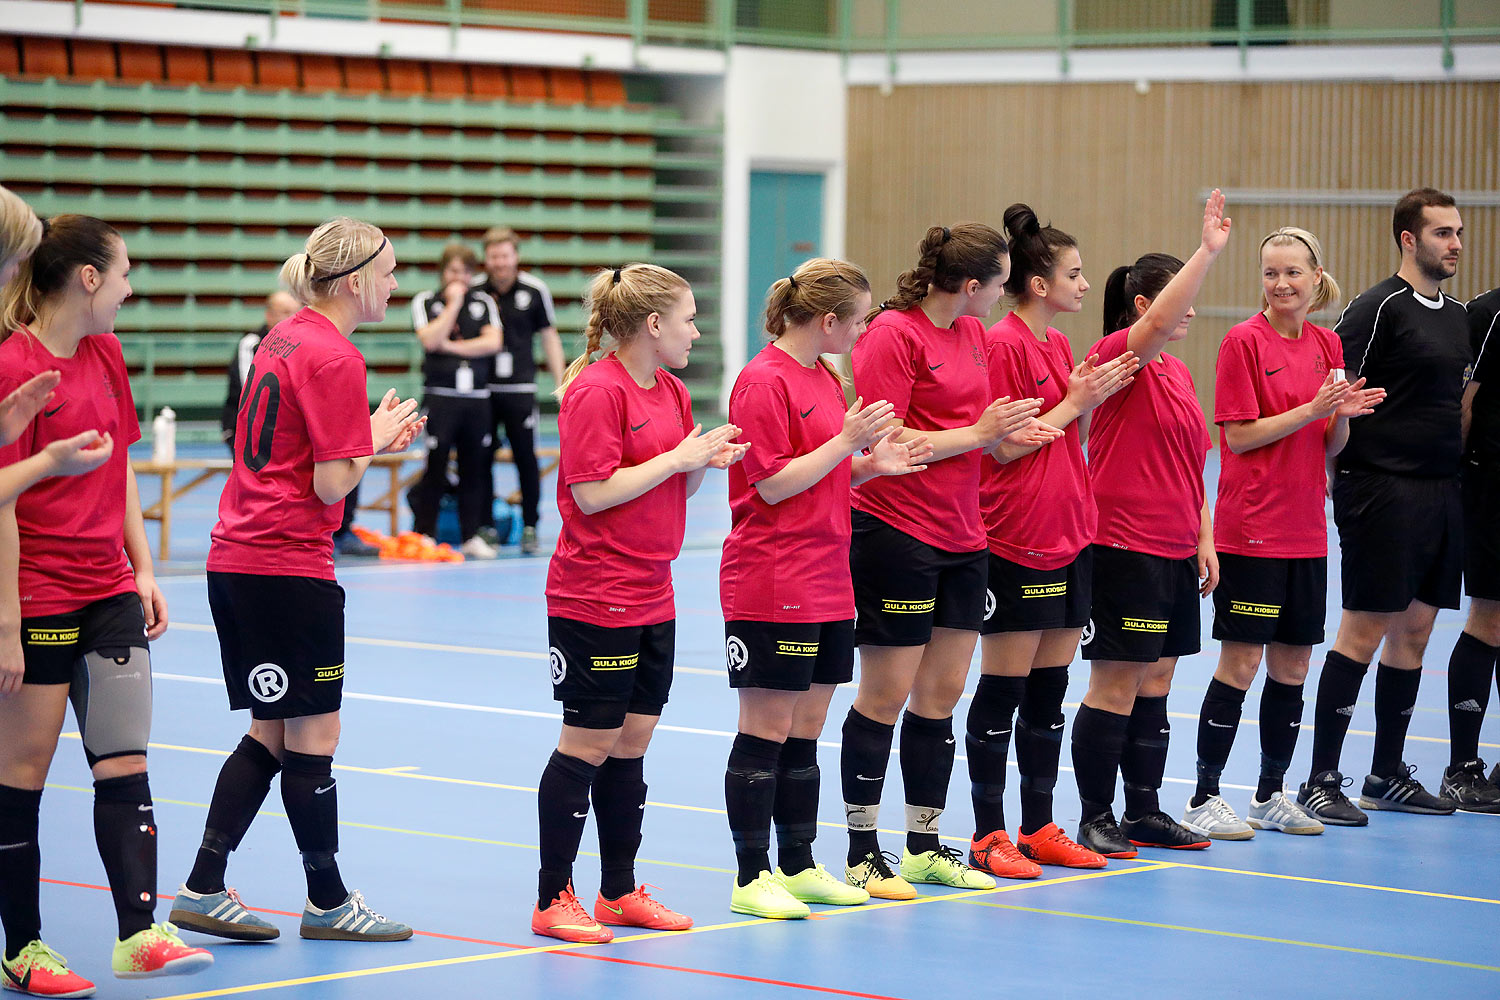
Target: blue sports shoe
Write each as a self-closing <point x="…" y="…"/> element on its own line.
<point x="351" y="920"/>
<point x="221" y="914"/>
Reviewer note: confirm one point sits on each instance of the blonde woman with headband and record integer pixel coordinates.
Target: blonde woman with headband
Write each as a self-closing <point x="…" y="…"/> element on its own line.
<point x="1283" y="408"/>
<point x="631" y="457"/>
<point x="79" y="605"/>
<point x="784" y="582"/>
<point x="304" y="436"/>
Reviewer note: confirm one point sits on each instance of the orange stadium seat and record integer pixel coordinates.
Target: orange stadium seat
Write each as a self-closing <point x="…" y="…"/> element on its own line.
<point x="448" y="79"/>
<point x="321" y="73"/>
<point x="231" y="67"/>
<point x="606" y="88"/>
<point x="278" y="70"/>
<point x="405" y="76"/>
<point x="10" y="56"/>
<point x="568" y="85"/>
<point x="489" y="82"/>
<point x="528" y="83"/>
<point x="44" y="56"/>
<point x="186" y="64"/>
<point x="93" y="60"/>
<point x="362" y="74"/>
<point x="138" y="63"/>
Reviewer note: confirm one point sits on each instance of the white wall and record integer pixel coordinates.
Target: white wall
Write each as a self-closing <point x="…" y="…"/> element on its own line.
<point x="783" y="110"/>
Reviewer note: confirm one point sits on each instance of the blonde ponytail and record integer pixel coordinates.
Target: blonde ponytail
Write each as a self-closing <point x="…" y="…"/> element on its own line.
<point x="339" y="248"/>
<point x="818" y="287"/>
<point x="619" y="301"/>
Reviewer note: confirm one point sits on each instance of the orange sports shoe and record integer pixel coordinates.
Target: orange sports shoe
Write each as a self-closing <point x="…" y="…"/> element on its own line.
<point x="1050" y="846"/>
<point x="638" y="909"/>
<point x="567" y="920"/>
<point x="39" y="971"/>
<point x="157" y="951"/>
<point x="994" y="853"/>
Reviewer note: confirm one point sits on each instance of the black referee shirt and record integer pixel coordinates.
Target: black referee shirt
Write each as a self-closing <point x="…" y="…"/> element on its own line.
<point x="1417" y="350"/>
<point x="440" y="370"/>
<point x="525" y="310"/>
<point x="1484" y="338"/>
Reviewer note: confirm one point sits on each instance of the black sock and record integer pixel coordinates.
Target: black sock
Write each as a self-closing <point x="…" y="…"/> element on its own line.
<point x="1469" y="671"/>
<point x="619" y="806"/>
<point x="562" y="804"/>
<point x="20" y="903"/>
<point x="927" y="753"/>
<point x="1395" y="699"/>
<point x="125" y="830"/>
<point x="796" y="810"/>
<point x="1098" y="741"/>
<point x="862" y="764"/>
<point x="750" y="800"/>
<point x="244" y="781"/>
<point x="1039" y="732"/>
<point x="1280" y="722"/>
<point x="311" y="797"/>
<point x="1143" y="761"/>
<point x="1218" y="721"/>
<point x="1338" y="690"/>
<point x="987" y="744"/>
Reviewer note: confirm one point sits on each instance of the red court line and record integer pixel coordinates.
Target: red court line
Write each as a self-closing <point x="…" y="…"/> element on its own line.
<point x="832" y="991"/>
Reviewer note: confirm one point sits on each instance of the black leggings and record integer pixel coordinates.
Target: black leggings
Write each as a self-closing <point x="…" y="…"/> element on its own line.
<point x="516" y="412"/>
<point x="461" y="424"/>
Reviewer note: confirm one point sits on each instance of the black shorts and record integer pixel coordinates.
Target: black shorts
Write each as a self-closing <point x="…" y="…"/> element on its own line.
<point x="1145" y="607"/>
<point x="602" y="674"/>
<point x="52" y="645"/>
<point x="281" y="639"/>
<point x="1021" y="599"/>
<point x="1481" y="490"/>
<point x="905" y="588"/>
<point x="1400" y="539"/>
<point x="788" y="656"/>
<point x="1262" y="600"/>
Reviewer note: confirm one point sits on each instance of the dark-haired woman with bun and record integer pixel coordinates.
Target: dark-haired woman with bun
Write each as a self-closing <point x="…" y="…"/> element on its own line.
<point x="917" y="555"/>
<point x="1039" y="519"/>
<point x="787" y="595"/>
<point x="1283" y="408"/>
<point x="79" y="604"/>
<point x="1153" y="551"/>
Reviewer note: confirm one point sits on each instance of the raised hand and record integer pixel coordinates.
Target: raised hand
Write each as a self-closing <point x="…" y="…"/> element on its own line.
<point x="455" y="291"/>
<point x="698" y="449"/>
<point x="1034" y="434"/>
<point x="889" y="457"/>
<point x="1215" y="224"/>
<point x="392" y="422"/>
<point x="1090" y="384"/>
<point x="21" y="406"/>
<point x="1359" y="402"/>
<point x="80" y="453"/>
<point x="1330" y="396"/>
<point x="864" y="425"/>
<point x="1003" y="417"/>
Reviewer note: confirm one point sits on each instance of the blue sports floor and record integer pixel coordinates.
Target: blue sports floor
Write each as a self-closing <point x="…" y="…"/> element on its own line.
<point x="448" y="720"/>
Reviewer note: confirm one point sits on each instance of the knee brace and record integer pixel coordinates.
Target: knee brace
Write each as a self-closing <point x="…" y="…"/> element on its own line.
<point x="111" y="695"/>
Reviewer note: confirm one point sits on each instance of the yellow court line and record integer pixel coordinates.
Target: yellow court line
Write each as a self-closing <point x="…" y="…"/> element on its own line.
<point x="651" y="936"/>
<point x="1242" y="937"/>
<point x="1333" y="882"/>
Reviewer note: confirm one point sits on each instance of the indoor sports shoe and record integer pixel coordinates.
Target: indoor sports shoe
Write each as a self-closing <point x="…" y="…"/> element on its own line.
<point x="1402" y="793"/>
<point x="41" y="972"/>
<point x="530" y="543"/>
<point x="817" y="885"/>
<point x="942" y="867"/>
<point x="477" y="548"/>
<point x="1157" y="829"/>
<point x="1279" y="812"/>
<point x="1467" y="787"/>
<point x="1050" y="846"/>
<point x="767" y="897"/>
<point x="874" y="875"/>
<point x="1101" y="834"/>
<point x="637" y="909"/>
<point x="1323" y="799"/>
<point x="567" y="920"/>
<point x="221" y="914"/>
<point x="351" y="920"/>
<point x="1216" y="820"/>
<point x="994" y="853"/>
<point x="157" y="951"/>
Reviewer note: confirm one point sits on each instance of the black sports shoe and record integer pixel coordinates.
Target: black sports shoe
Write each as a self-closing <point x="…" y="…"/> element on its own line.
<point x="1157" y="829"/>
<point x="1403" y="793"/>
<point x="1323" y="798"/>
<point x="1467" y="787"/>
<point x="1102" y="835"/>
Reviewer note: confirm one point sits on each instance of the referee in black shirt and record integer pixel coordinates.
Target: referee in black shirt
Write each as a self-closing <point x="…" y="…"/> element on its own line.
<point x="1471" y="669"/>
<point x="525" y="314"/>
<point x="1396" y="501"/>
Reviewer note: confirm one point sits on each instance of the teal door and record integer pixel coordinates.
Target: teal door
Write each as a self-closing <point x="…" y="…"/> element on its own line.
<point x="786" y="228"/>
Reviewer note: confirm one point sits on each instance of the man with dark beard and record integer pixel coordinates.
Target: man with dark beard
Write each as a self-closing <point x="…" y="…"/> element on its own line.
<point x="1397" y="504"/>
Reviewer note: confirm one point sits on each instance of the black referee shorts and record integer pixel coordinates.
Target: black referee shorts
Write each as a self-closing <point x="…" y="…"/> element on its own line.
<point x="1481" y="492"/>
<point x="1145" y="607"/>
<point x="1400" y="539"/>
<point x="1261" y="600"/>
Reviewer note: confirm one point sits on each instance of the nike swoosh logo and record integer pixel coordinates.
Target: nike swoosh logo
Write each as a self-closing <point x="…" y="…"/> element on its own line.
<point x="1165" y="730"/>
<point x="643" y="423"/>
<point x="949" y="741"/>
<point x="616" y="910"/>
<point x="1042" y="380"/>
<point x="861" y="777"/>
<point x="809" y="410"/>
<point x="144" y="809"/>
<point x="1219" y="725"/>
<point x="1296" y="725"/>
<point x="1273" y="371"/>
<point x="50" y="413"/>
<point x="933" y="368"/>
<point x="23" y="983"/>
<point x="12" y="847"/>
<point x="320" y="791"/>
<point x="582" y="815"/>
<point x="996" y="732"/>
<point x="1058" y="726"/>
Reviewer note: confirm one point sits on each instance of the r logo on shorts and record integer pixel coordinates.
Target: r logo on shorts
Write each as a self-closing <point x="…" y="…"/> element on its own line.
<point x="559" y="665"/>
<point x="1088" y="632"/>
<point x="735" y="653"/>
<point x="268" y="682"/>
<point x="989" y="604"/>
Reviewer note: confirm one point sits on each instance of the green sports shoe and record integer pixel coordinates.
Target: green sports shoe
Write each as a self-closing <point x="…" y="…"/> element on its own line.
<point x="157" y="951"/>
<point x="816" y="885"/>
<point x="943" y="866"/>
<point x="766" y="897"/>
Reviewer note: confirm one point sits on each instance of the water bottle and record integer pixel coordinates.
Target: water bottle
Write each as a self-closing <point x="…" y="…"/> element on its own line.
<point x="164" y="437"/>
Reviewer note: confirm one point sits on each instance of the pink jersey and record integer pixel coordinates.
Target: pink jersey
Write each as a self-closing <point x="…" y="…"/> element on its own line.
<point x="614" y="568"/>
<point x="787" y="562"/>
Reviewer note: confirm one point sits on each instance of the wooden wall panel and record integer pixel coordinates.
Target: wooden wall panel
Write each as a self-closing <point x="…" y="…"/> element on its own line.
<point x="1124" y="173"/>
